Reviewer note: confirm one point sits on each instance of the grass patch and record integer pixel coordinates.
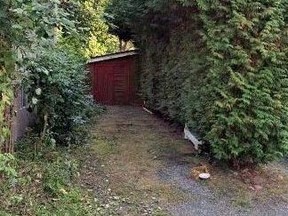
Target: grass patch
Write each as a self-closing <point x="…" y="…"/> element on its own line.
<point x="242" y="200"/>
<point x="103" y="146"/>
<point x="47" y="184"/>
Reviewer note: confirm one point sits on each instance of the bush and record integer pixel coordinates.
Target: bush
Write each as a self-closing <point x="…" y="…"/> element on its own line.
<point x="58" y="92"/>
<point x="221" y="67"/>
<point x="247" y="79"/>
<point x="46" y="185"/>
<point x="7" y="164"/>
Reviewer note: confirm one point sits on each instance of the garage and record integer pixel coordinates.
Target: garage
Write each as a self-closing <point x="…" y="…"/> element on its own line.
<point x="113" y="78"/>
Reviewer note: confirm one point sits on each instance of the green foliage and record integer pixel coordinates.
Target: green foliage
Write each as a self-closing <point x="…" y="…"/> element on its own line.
<point x="58" y="175"/>
<point x="219" y="66"/>
<point x="7" y="62"/>
<point x="94" y="38"/>
<point x="35" y="28"/>
<point x="45" y="185"/>
<point x="117" y="14"/>
<point x="57" y="89"/>
<point x="23" y="25"/>
<point x="70" y="204"/>
<point x="250" y="101"/>
<point x="7" y="163"/>
<point x="45" y="42"/>
<point x="127" y="17"/>
<point x="9" y="178"/>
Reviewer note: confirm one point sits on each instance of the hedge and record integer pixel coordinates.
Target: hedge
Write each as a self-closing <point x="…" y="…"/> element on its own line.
<point x="221" y="67"/>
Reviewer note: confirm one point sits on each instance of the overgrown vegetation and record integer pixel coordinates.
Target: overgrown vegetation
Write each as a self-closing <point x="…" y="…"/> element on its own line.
<point x="220" y="66"/>
<point x="6" y="74"/>
<point x="94" y="39"/>
<point x="58" y="91"/>
<point x="47" y="43"/>
<point x="44" y="45"/>
<point x="46" y="185"/>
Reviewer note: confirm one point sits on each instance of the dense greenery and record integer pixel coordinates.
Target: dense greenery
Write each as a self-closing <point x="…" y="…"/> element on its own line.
<point x="248" y="56"/>
<point x="6" y="72"/>
<point x="220" y="66"/>
<point x="93" y="39"/>
<point x="47" y="42"/>
<point x="58" y="91"/>
<point x="46" y="185"/>
<point x="44" y="45"/>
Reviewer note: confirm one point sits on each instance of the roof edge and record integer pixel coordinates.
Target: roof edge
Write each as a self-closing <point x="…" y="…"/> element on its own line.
<point x="113" y="56"/>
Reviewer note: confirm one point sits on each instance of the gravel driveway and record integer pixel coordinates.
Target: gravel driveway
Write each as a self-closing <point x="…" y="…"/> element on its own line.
<point x="144" y="162"/>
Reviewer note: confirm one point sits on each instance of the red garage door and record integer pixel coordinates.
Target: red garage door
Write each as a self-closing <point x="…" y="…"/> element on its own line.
<point x="113" y="80"/>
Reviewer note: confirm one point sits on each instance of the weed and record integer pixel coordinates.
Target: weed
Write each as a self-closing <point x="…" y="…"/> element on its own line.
<point x="46" y="184"/>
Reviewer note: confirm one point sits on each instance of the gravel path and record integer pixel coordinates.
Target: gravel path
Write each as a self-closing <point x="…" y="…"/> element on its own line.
<point x="141" y="158"/>
<point x="207" y="203"/>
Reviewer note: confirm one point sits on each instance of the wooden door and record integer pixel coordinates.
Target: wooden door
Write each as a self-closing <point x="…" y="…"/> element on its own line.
<point x="112" y="83"/>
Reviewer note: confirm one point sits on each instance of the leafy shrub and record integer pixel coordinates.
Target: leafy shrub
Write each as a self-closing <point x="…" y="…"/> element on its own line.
<point x="58" y="91"/>
<point x="9" y="179"/>
<point x="45" y="185"/>
<point x="221" y="68"/>
<point x="7" y="166"/>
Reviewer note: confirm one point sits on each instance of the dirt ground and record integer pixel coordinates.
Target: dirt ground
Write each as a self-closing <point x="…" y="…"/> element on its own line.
<point x="138" y="164"/>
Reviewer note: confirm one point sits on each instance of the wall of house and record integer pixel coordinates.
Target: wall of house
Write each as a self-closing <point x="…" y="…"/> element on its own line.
<point x="21" y="117"/>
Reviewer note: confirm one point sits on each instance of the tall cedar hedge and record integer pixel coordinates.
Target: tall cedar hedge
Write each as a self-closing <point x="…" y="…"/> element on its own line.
<point x="221" y="67"/>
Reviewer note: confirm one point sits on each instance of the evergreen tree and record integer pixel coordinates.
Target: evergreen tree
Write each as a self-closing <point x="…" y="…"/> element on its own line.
<point x="221" y="67"/>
